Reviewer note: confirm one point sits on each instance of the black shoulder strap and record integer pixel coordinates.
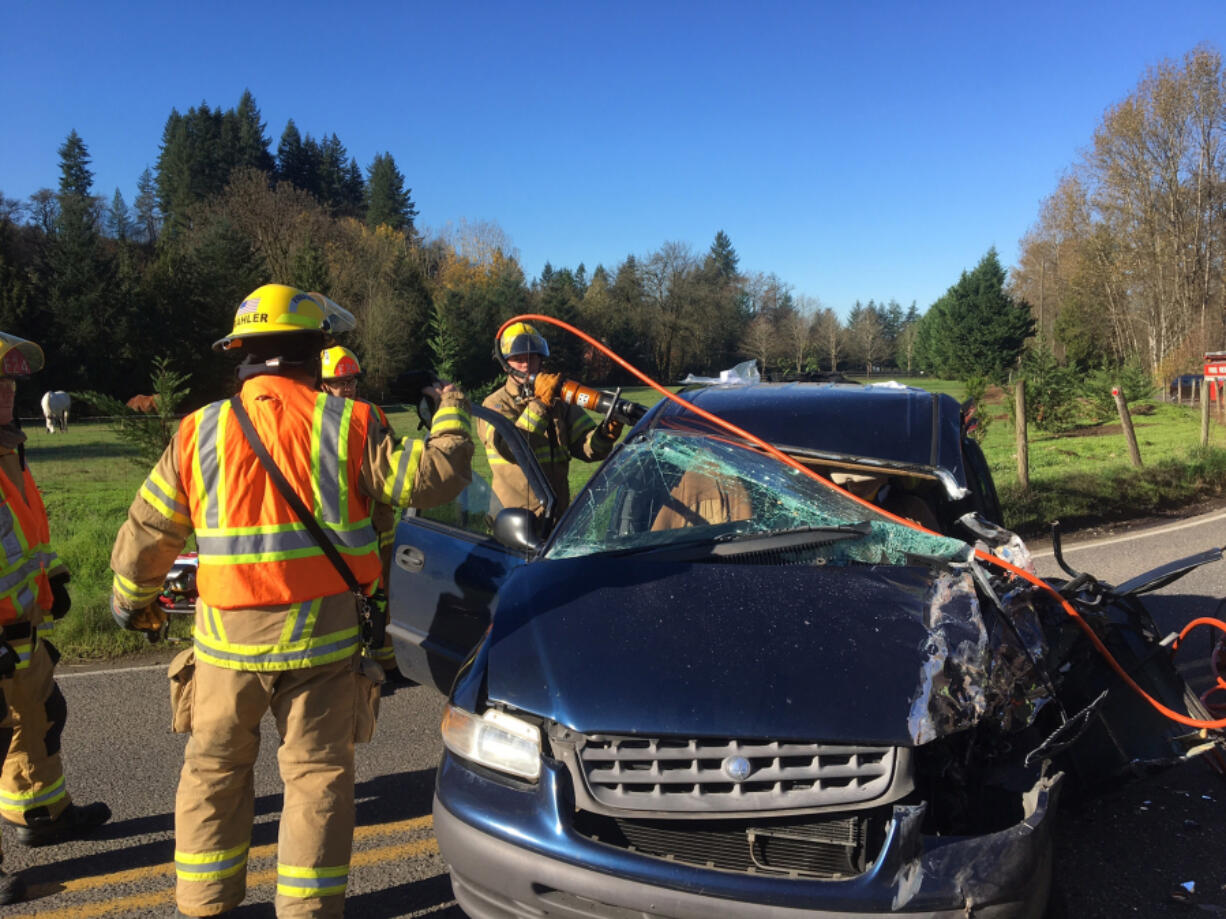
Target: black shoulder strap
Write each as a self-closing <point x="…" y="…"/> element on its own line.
<point x="288" y="493"/>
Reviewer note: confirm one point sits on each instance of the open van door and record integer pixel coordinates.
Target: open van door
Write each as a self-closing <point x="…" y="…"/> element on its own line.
<point x="447" y="566"/>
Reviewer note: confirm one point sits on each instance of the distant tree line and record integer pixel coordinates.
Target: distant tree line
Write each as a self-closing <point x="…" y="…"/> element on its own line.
<point x="1125" y="267"/>
<point x="107" y="288"/>
<point x="1126" y="263"/>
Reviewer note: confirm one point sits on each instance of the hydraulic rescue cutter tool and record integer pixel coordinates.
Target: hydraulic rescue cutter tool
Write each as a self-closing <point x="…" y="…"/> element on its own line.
<point x="609" y="404"/>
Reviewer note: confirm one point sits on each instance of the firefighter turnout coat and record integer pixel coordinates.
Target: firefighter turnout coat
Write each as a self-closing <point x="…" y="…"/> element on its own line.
<point x="32" y="777"/>
<point x="276" y="629"/>
<point x="555" y="433"/>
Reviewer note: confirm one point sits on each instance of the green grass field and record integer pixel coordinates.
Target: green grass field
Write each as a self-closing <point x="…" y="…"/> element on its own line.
<point x="88" y="480"/>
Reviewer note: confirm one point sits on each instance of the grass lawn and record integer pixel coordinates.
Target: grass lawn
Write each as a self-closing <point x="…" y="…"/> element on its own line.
<point x="88" y="480"/>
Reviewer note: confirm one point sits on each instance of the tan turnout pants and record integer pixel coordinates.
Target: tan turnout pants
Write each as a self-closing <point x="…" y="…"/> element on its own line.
<point x="314" y="711"/>
<point x="32" y="779"/>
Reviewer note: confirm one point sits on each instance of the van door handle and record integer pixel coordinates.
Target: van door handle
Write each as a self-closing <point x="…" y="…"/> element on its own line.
<point x="410" y="558"/>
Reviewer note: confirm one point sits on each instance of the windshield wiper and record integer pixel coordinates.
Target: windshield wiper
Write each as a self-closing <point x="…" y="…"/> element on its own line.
<point x="798" y="538"/>
<point x="726" y="544"/>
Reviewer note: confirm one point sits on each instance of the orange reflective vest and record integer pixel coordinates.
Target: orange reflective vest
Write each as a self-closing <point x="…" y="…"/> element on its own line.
<point x="25" y="540"/>
<point x="253" y="549"/>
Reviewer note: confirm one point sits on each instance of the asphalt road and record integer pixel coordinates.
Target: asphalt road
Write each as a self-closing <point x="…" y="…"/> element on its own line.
<point x="1151" y="848"/>
<point x="1127" y="853"/>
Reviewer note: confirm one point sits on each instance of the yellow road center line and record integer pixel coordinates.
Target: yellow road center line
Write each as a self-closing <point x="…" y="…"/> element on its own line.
<point x="413" y="849"/>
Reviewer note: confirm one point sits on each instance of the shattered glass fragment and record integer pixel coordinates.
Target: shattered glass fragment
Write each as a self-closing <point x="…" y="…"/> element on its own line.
<point x="675" y="487"/>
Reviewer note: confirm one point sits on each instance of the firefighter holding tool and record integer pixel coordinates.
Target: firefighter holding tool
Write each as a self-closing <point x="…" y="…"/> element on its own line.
<point x="556" y="430"/>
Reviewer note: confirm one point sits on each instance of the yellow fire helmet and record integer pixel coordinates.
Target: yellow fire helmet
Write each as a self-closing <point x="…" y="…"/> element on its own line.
<point x="274" y="309"/>
<point x="339" y="363"/>
<point x="18" y="357"/>
<point x="521" y="339"/>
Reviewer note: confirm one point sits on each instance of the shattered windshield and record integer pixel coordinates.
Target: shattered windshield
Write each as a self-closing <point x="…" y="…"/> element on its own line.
<point x="670" y="488"/>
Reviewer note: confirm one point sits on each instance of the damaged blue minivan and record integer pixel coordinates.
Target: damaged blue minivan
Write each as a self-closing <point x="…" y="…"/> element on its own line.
<point x="719" y="686"/>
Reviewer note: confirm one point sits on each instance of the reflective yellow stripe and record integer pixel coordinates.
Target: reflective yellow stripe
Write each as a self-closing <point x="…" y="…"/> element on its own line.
<point x="168" y="501"/>
<point x="295" y="881"/>
<point x="210" y="866"/>
<point x="132" y="593"/>
<point x="280" y="542"/>
<point x="300" y="623"/>
<point x="298" y="655"/>
<point x="18" y="803"/>
<point x="383" y="654"/>
<point x="530" y="421"/>
<point x="23" y="648"/>
<point x="398" y="489"/>
<point x="451" y="419"/>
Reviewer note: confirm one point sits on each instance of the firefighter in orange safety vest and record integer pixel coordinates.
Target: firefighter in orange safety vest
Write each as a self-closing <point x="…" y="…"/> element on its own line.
<point x="554" y="430"/>
<point x="33" y="594"/>
<point x="277" y="629"/>
<point x="339" y="374"/>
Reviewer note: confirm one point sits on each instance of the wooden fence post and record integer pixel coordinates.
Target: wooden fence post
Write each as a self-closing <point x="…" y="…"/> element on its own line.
<point x="1023" y="448"/>
<point x="1134" y="452"/>
<point x="1204" y="413"/>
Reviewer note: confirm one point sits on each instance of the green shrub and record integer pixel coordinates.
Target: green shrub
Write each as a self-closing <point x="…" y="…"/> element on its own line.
<point x="1052" y="391"/>
<point x="976" y="390"/>
<point x="1132" y="379"/>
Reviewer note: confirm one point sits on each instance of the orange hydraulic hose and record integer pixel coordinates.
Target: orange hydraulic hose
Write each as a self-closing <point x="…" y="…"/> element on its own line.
<point x="984" y="556"/>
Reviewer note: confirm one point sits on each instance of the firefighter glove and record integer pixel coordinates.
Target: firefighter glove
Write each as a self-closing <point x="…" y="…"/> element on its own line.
<point x="151" y="619"/>
<point x="61" y="602"/>
<point x="610" y="430"/>
<point x="546" y="386"/>
<point x="8" y="659"/>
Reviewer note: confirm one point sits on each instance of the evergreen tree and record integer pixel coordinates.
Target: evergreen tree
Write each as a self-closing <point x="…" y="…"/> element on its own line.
<point x="76" y="178"/>
<point x="388" y="202"/>
<point x="192" y="164"/>
<point x="118" y="220"/>
<point x="201" y="149"/>
<point x="557" y="294"/>
<point x="80" y="276"/>
<point x="297" y="159"/>
<point x="355" y="191"/>
<point x="338" y="191"/>
<point x="148" y="221"/>
<point x="250" y="142"/>
<point x="723" y="257"/>
<point x="16" y="288"/>
<point x="976" y="329"/>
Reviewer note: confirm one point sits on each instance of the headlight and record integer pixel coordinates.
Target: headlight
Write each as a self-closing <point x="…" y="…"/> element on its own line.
<point x="496" y="740"/>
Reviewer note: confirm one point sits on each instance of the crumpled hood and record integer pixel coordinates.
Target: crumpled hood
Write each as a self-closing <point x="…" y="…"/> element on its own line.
<point x="617" y="645"/>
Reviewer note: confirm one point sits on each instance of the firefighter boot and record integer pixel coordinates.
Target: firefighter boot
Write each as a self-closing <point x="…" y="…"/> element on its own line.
<point x="74" y="823"/>
<point x="12" y="888"/>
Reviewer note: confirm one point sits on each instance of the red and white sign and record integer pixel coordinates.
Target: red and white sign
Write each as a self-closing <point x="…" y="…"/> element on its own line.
<point x="1215" y="365"/>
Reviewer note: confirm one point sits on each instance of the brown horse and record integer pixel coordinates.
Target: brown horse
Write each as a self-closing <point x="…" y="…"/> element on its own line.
<point x="147" y="404"/>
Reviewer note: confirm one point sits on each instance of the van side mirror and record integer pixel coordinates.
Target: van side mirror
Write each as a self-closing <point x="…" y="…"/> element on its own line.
<point x="515" y="528"/>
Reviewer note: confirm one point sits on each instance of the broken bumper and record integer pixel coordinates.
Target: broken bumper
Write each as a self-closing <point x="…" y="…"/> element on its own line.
<point x="513" y="853"/>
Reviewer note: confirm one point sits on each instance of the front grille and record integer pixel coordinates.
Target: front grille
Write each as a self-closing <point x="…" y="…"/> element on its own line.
<point x="688" y="775"/>
<point x="794" y="847"/>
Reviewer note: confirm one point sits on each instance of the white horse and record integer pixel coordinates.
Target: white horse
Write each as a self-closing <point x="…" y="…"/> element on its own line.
<point x="55" y="410"/>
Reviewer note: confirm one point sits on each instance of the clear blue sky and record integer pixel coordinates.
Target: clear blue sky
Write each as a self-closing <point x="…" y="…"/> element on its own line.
<point x="857" y="149"/>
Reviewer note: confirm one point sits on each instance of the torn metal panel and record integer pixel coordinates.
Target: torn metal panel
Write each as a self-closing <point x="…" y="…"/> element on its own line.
<point x="950" y="695"/>
<point x="1011" y="865"/>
